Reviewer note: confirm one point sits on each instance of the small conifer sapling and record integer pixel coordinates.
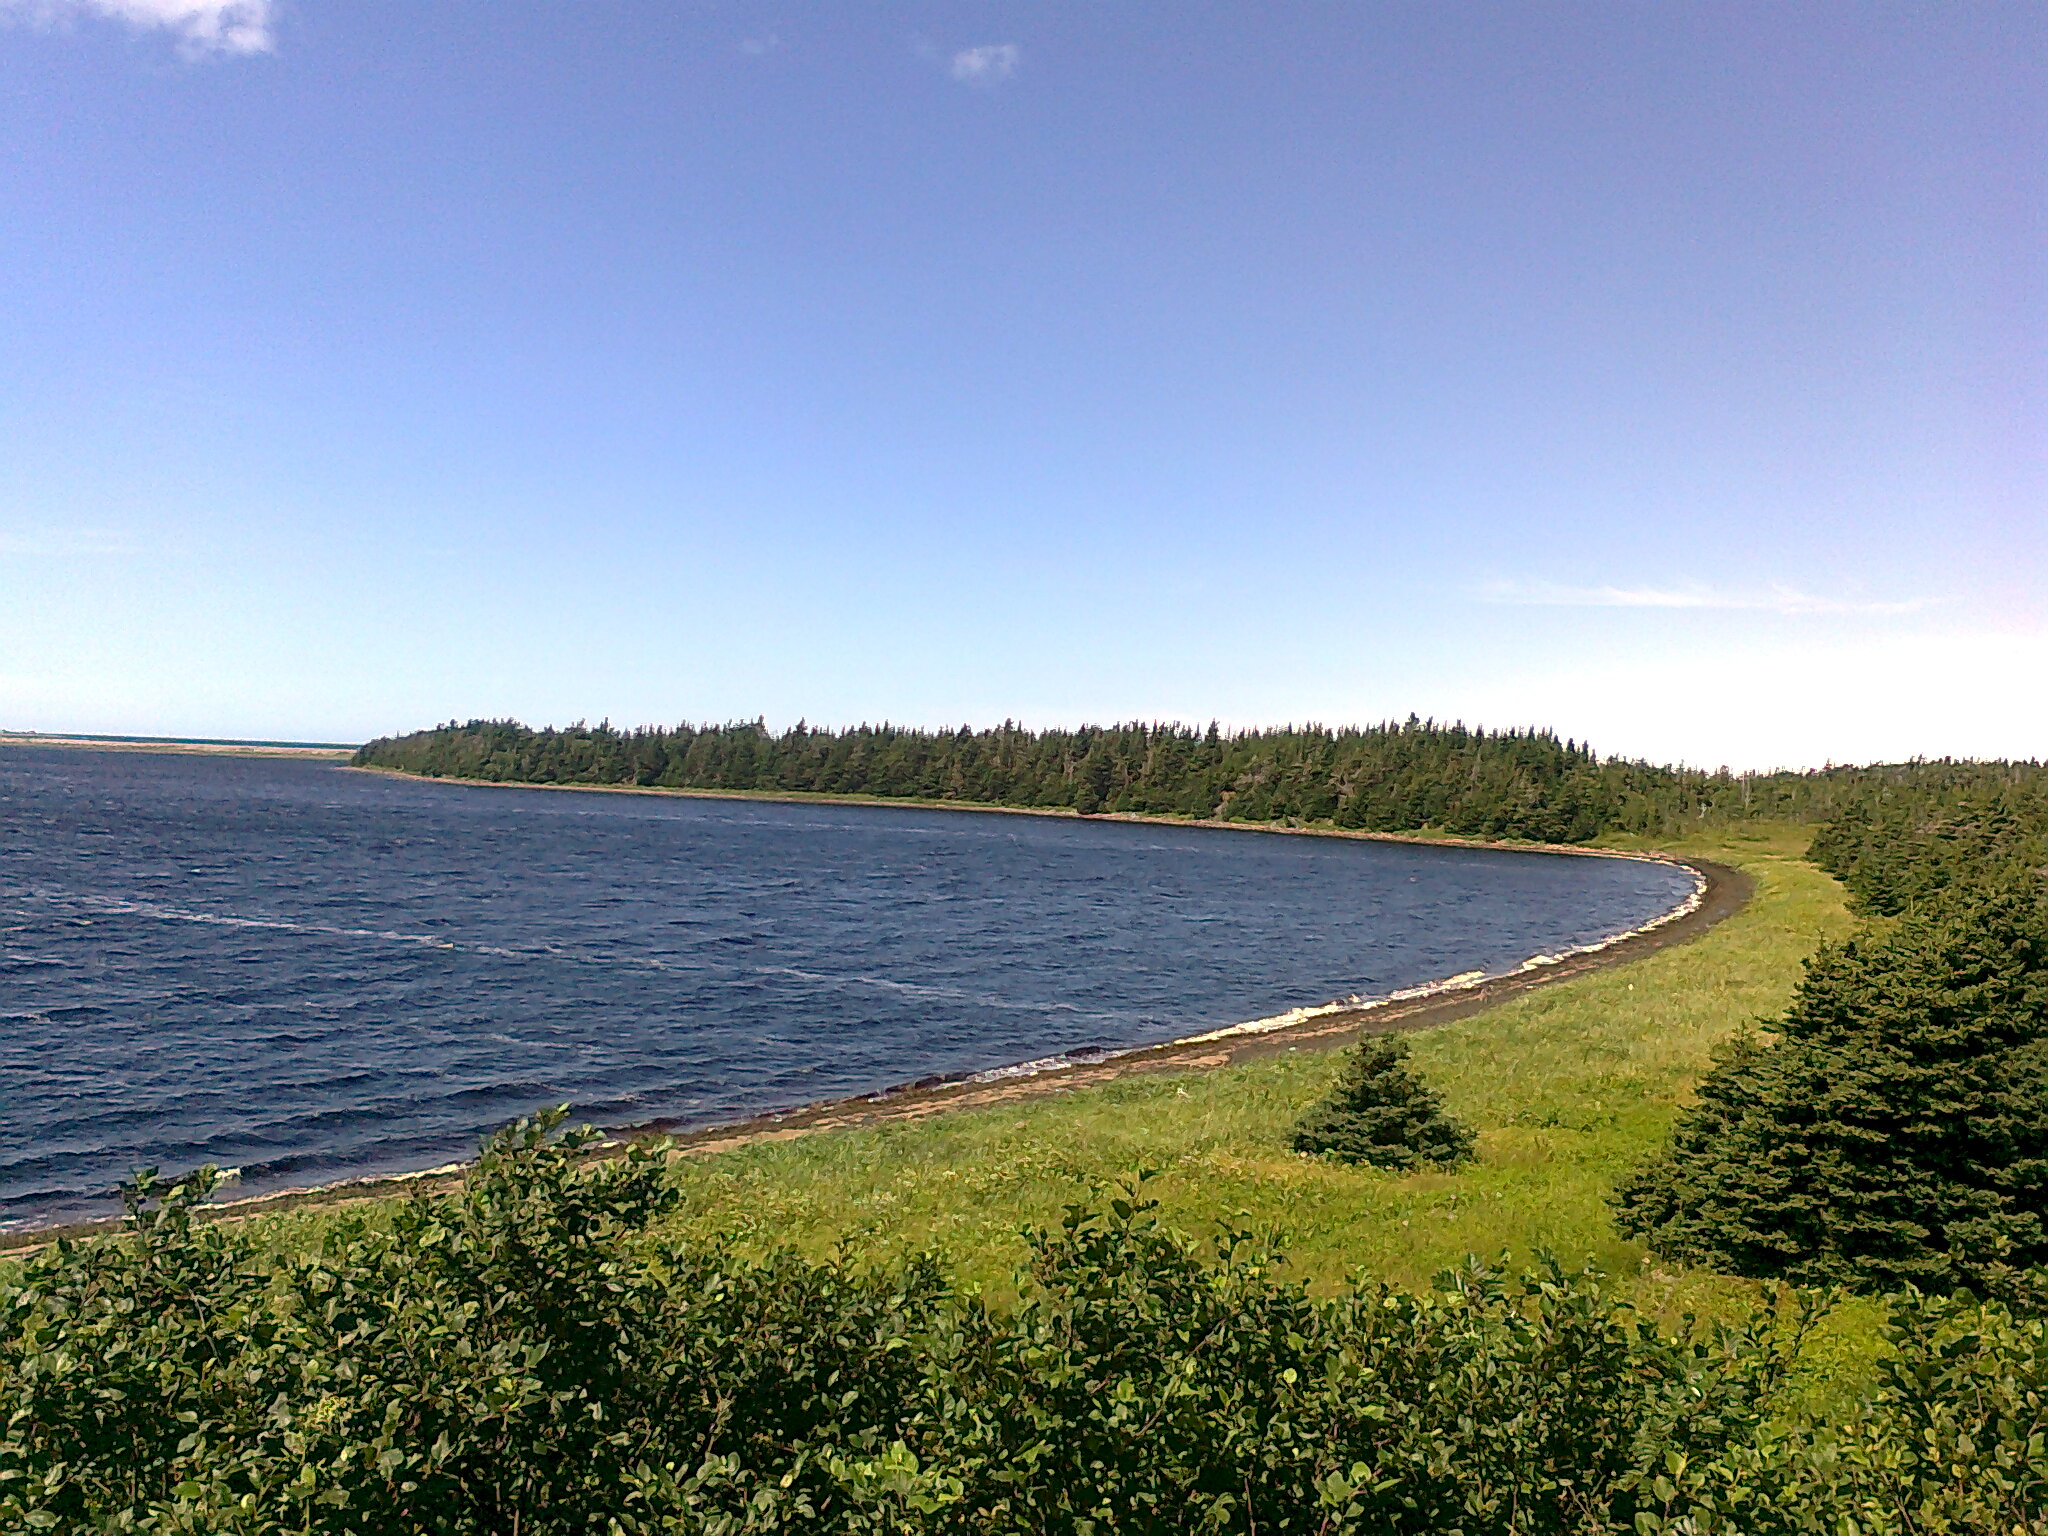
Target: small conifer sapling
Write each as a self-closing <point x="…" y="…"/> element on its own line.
<point x="1381" y="1113"/>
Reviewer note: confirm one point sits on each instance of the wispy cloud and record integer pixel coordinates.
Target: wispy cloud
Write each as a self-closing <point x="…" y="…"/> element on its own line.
<point x="762" y="46"/>
<point x="1775" y="599"/>
<point x="34" y="542"/>
<point x="201" y="27"/>
<point x="987" y="64"/>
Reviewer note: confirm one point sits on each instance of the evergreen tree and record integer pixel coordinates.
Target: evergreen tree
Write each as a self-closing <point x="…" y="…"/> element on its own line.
<point x="1381" y="1113"/>
<point x="1092" y="782"/>
<point x="1896" y="1132"/>
<point x="1903" y="835"/>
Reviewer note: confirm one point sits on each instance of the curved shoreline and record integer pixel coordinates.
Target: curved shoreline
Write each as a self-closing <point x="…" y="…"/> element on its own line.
<point x="1061" y="812"/>
<point x="1719" y="892"/>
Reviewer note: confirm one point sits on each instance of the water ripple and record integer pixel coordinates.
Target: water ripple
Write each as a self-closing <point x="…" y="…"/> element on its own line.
<point x="307" y="973"/>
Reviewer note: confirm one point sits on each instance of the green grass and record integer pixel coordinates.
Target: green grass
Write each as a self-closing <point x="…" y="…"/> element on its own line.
<point x="1568" y="1086"/>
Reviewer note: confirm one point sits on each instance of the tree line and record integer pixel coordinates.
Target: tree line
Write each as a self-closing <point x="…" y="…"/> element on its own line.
<point x="1904" y="835"/>
<point x="1400" y="776"/>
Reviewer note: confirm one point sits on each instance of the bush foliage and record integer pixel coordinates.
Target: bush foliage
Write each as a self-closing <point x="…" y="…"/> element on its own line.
<point x="1381" y="1113"/>
<point x="530" y="1355"/>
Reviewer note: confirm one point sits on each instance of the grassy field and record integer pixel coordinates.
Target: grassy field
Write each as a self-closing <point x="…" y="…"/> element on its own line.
<point x="1568" y="1087"/>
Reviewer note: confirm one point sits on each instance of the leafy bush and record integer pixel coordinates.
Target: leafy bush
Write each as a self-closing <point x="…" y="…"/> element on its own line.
<point x="529" y="1355"/>
<point x="1381" y="1113"/>
<point x="1953" y="1439"/>
<point x="517" y="1357"/>
<point x="1898" y="1129"/>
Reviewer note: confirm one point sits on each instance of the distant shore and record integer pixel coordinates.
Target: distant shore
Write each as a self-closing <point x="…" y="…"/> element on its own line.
<point x="1140" y="818"/>
<point x="320" y="751"/>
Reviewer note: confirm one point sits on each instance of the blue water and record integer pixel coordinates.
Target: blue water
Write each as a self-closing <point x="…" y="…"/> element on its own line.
<point x="310" y="973"/>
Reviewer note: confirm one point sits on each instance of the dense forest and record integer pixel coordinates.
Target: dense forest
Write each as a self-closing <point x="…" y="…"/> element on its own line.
<point x="1396" y="777"/>
<point x="1898" y="836"/>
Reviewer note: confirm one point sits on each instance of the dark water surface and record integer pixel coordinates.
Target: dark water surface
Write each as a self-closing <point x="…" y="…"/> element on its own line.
<point x="309" y="973"/>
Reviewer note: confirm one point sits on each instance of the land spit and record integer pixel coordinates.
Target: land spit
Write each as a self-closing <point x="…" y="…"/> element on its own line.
<point x="308" y="751"/>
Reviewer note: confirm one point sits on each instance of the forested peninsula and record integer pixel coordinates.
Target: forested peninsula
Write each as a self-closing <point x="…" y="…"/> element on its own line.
<point x="1405" y="776"/>
<point x="1892" y="830"/>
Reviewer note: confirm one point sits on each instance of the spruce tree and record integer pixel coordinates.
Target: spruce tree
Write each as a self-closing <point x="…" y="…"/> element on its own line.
<point x="1381" y="1113"/>
<point x="1897" y="1131"/>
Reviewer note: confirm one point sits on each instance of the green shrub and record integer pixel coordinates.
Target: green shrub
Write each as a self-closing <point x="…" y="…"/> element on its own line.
<point x="1953" y="1439"/>
<point x="515" y="1357"/>
<point x="1381" y="1113"/>
<point x="526" y="1356"/>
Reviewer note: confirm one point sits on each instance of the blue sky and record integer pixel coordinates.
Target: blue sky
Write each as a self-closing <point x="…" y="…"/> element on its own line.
<point x="1675" y="375"/>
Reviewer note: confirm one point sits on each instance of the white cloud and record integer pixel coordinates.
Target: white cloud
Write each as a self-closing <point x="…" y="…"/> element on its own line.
<point x="987" y="64"/>
<point x="1776" y="599"/>
<point x="762" y="46"/>
<point x="1760" y="705"/>
<point x="201" y="26"/>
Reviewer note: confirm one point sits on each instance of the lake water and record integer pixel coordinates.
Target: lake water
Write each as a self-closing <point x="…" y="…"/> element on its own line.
<point x="310" y="973"/>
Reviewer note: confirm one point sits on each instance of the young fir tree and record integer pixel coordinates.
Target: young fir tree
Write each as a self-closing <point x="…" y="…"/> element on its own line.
<point x="1382" y="1113"/>
<point x="1896" y="1132"/>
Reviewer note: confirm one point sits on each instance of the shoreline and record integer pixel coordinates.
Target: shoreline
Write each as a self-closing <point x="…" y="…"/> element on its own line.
<point x="1062" y="812"/>
<point x="1719" y="892"/>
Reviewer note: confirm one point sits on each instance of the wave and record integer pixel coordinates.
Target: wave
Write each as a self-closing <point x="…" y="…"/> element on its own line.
<point x="123" y="907"/>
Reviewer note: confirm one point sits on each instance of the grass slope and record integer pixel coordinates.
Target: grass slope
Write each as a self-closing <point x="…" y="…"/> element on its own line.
<point x="1567" y="1087"/>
